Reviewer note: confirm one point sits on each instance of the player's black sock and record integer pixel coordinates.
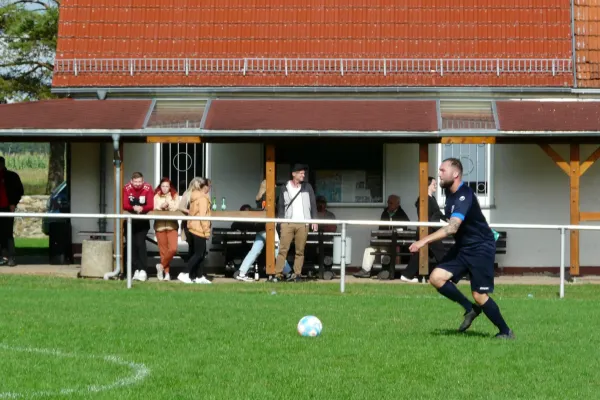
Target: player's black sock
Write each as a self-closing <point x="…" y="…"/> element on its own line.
<point x="492" y="311"/>
<point x="451" y="291"/>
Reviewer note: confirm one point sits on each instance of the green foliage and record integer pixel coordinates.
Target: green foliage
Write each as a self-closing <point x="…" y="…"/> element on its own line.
<point x="29" y="30"/>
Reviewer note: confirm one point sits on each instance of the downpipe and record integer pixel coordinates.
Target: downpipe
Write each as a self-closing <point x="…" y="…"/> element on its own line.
<point x="117" y="163"/>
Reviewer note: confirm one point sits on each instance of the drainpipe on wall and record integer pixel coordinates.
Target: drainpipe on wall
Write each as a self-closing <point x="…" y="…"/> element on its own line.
<point x="117" y="224"/>
<point x="102" y="206"/>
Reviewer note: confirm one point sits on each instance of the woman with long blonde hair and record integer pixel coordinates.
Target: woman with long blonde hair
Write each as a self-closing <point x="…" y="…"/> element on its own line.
<point x="199" y="232"/>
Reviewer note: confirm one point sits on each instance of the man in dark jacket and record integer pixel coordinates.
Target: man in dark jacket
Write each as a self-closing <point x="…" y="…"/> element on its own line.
<point x="393" y="212"/>
<point x="296" y="202"/>
<point x="11" y="191"/>
<point x="436" y="249"/>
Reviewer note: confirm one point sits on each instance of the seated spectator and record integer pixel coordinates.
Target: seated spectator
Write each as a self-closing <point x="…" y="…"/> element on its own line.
<point x="393" y="212"/>
<point x="259" y="243"/>
<point x="324" y="213"/>
<point x="245" y="226"/>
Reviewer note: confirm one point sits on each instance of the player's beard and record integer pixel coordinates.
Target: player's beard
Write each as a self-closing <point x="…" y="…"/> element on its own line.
<point x="445" y="184"/>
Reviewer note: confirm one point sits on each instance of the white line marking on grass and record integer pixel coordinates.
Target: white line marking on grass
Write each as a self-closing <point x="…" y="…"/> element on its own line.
<point x="139" y="373"/>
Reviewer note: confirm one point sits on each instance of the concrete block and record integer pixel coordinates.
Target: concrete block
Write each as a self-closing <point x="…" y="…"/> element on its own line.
<point x="96" y="258"/>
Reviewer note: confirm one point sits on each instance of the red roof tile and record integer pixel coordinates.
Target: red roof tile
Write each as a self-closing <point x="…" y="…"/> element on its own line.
<point x="548" y="116"/>
<point x="75" y="114"/>
<point x="358" y="29"/>
<point x="354" y="115"/>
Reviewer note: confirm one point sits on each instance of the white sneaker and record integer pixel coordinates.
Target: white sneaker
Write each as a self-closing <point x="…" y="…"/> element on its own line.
<point x="167" y="277"/>
<point x="244" y="278"/>
<point x="202" y="280"/>
<point x="143" y="277"/>
<point x="185" y="278"/>
<point x="405" y="279"/>
<point x="136" y="275"/>
<point x="160" y="272"/>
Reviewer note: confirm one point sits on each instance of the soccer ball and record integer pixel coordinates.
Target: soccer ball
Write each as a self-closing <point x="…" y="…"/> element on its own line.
<point x="310" y="326"/>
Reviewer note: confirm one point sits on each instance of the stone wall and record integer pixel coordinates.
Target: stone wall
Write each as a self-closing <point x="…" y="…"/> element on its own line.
<point x="30" y="227"/>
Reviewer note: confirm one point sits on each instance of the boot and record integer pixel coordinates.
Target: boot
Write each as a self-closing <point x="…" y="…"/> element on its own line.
<point x="11" y="253"/>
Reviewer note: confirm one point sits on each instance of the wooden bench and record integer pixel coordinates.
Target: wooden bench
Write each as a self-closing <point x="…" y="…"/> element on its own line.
<point x="398" y="241"/>
<point x="235" y="245"/>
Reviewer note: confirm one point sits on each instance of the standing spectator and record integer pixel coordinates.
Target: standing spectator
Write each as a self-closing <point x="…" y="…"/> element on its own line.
<point x="296" y="202"/>
<point x="11" y="191"/>
<point x="166" y="199"/>
<point x="184" y="207"/>
<point x="138" y="198"/>
<point x="199" y="232"/>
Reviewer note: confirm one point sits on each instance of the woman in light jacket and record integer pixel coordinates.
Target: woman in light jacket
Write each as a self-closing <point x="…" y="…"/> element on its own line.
<point x="166" y="199"/>
<point x="199" y="232"/>
<point x="184" y="206"/>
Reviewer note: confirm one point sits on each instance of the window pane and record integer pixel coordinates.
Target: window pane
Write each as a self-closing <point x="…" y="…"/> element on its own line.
<point x="467" y="115"/>
<point x="181" y="162"/>
<point x="177" y="114"/>
<point x="474" y="158"/>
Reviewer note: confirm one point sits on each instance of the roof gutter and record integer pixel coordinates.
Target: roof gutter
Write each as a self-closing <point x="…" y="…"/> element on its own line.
<point x="310" y="89"/>
<point x="242" y="134"/>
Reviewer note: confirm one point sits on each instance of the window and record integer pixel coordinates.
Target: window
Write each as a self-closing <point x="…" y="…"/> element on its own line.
<point x="477" y="159"/>
<point x="181" y="162"/>
<point x="347" y="174"/>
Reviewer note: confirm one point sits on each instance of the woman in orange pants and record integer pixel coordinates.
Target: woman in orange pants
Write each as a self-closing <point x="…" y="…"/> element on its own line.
<point x="166" y="199"/>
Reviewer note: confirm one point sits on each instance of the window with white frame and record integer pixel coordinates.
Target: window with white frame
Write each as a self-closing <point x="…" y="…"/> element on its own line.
<point x="477" y="159"/>
<point x="477" y="169"/>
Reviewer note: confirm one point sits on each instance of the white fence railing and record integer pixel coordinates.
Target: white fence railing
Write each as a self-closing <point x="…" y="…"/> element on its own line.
<point x="344" y="223"/>
<point x="339" y="66"/>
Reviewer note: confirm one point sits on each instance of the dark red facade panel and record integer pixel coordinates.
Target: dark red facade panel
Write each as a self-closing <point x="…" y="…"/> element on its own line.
<point x="353" y="115"/>
<point x="549" y="116"/>
<point x="75" y="114"/>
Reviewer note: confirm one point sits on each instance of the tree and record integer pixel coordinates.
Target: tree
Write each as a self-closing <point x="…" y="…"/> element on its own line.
<point x="28" y="34"/>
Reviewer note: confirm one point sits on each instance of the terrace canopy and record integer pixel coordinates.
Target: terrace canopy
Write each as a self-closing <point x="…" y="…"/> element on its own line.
<point x="274" y="120"/>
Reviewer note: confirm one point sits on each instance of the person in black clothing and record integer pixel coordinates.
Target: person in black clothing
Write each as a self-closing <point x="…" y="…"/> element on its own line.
<point x="246" y="226"/>
<point x="11" y="191"/>
<point x="393" y="212"/>
<point x="436" y="249"/>
<point x="473" y="252"/>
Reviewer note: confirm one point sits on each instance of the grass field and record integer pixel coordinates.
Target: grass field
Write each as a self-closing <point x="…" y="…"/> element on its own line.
<point x="239" y="341"/>
<point x="34" y="180"/>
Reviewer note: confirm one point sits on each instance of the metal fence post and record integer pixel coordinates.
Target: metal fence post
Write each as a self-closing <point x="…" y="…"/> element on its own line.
<point x="343" y="260"/>
<point x="129" y="239"/>
<point x="562" y="262"/>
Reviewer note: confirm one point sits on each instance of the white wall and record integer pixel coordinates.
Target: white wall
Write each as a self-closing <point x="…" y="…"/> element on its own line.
<point x="236" y="172"/>
<point x="85" y="179"/>
<point x="528" y="188"/>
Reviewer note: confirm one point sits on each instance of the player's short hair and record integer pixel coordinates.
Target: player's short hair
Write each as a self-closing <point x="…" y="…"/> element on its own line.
<point x="136" y="175"/>
<point x="455" y="162"/>
<point x="429" y="180"/>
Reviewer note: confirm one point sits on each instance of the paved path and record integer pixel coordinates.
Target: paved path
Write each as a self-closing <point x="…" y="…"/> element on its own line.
<point x="72" y="271"/>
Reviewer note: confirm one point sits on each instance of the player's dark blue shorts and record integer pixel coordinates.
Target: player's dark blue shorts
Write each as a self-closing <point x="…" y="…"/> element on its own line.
<point x="477" y="261"/>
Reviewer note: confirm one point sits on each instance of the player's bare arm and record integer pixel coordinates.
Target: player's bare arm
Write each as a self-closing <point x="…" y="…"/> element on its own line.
<point x="452" y="226"/>
<point x="440" y="234"/>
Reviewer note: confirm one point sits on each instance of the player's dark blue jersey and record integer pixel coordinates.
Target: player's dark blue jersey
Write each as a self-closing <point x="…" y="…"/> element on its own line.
<point x="474" y="229"/>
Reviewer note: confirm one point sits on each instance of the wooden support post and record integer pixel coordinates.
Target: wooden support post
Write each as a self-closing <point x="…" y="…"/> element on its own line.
<point x="423" y="203"/>
<point x="575" y="175"/>
<point x="270" y="243"/>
